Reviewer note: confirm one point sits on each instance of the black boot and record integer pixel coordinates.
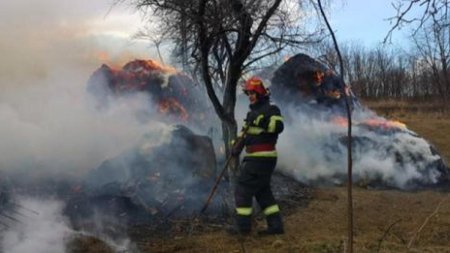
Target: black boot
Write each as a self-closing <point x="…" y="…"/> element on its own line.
<point x="274" y="225"/>
<point x="243" y="226"/>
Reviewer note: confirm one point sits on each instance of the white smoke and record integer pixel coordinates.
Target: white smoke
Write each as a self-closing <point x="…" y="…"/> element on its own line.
<point x="48" y="53"/>
<point x="53" y="127"/>
<point x="313" y="149"/>
<point x="44" y="230"/>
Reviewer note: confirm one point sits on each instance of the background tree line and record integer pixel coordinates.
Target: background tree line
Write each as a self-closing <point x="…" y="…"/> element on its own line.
<point x="384" y="72"/>
<point x="421" y="72"/>
<point x="217" y="47"/>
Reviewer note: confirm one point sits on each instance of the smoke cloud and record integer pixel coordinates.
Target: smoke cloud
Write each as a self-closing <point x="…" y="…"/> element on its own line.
<point x="42" y="232"/>
<point x="42" y="228"/>
<point x="49" y="49"/>
<point x="53" y="127"/>
<point x="313" y="149"/>
<point x="38" y="36"/>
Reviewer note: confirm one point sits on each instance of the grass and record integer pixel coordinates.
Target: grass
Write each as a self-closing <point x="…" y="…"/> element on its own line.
<point x="384" y="220"/>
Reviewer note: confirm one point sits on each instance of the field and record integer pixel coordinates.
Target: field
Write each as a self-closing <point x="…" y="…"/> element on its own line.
<point x="384" y="221"/>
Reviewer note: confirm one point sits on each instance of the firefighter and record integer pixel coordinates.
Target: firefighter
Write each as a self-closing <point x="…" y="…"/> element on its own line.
<point x="259" y="136"/>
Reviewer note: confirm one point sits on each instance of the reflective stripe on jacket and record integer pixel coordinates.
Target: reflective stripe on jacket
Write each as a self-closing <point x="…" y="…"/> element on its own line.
<point x="264" y="123"/>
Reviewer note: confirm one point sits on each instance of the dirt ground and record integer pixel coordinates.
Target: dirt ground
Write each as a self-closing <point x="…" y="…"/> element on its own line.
<point x="384" y="220"/>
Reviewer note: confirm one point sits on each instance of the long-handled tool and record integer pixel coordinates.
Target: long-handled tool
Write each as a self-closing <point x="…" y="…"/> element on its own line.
<point x="213" y="190"/>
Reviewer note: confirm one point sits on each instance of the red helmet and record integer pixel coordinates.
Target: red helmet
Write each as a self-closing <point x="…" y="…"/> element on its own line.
<point x="256" y="85"/>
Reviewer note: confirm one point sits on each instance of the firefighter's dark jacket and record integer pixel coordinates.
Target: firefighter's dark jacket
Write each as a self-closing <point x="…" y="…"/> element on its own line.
<point x="261" y="128"/>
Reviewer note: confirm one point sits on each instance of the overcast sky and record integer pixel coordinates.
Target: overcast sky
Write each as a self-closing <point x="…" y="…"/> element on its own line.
<point x="36" y="35"/>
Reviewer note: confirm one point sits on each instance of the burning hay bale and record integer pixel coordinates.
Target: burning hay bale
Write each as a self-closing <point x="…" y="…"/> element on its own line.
<point x="303" y="80"/>
<point x="385" y="153"/>
<point x="414" y="162"/>
<point x="168" y="174"/>
<point x="173" y="94"/>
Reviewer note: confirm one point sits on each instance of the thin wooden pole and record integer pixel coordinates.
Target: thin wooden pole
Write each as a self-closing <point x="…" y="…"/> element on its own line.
<point x="349" y="136"/>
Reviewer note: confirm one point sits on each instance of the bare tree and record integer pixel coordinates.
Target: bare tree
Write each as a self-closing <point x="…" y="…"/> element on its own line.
<point x="417" y="13"/>
<point x="221" y="40"/>
<point x="156" y="38"/>
<point x="432" y="43"/>
<point x="431" y="28"/>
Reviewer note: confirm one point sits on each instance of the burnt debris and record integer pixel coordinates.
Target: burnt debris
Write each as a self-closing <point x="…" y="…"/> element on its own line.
<point x="162" y="176"/>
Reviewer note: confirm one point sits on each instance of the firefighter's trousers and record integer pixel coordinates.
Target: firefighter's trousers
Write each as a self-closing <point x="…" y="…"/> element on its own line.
<point x="254" y="181"/>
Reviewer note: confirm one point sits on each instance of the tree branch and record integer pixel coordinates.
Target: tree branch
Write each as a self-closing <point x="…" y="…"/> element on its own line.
<point x="205" y="45"/>
<point x="436" y="210"/>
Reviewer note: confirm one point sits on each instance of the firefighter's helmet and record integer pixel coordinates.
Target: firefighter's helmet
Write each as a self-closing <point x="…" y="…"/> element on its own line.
<point x="256" y="85"/>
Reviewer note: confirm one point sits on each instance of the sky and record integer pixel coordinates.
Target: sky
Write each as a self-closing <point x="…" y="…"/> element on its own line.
<point x="365" y="22"/>
<point x="37" y="34"/>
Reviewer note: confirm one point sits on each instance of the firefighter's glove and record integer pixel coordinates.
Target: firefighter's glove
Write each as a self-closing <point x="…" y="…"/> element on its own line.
<point x="237" y="147"/>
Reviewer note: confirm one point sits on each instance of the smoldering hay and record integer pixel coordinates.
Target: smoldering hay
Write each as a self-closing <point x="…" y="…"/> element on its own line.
<point x="173" y="93"/>
<point x="169" y="171"/>
<point x="135" y="108"/>
<point x="51" y="136"/>
<point x="314" y="147"/>
<point x="108" y="154"/>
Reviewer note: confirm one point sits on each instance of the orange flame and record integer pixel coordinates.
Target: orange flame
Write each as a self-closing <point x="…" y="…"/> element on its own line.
<point x="157" y="65"/>
<point x="149" y="65"/>
<point x="385" y="124"/>
<point x="318" y="76"/>
<point x="380" y="123"/>
<point x="341" y="121"/>
<point x="172" y="106"/>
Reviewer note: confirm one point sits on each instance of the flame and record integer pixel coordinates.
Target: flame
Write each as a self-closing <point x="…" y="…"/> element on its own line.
<point x="375" y="123"/>
<point x="341" y="121"/>
<point x="168" y="87"/>
<point x="172" y="106"/>
<point x="135" y="75"/>
<point x="145" y="66"/>
<point x="385" y="124"/>
<point x="335" y="93"/>
<point x="162" y="67"/>
<point x="318" y="76"/>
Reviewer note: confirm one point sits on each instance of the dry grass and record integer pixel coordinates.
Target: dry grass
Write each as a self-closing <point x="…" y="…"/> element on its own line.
<point x="385" y="221"/>
<point x="397" y="106"/>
